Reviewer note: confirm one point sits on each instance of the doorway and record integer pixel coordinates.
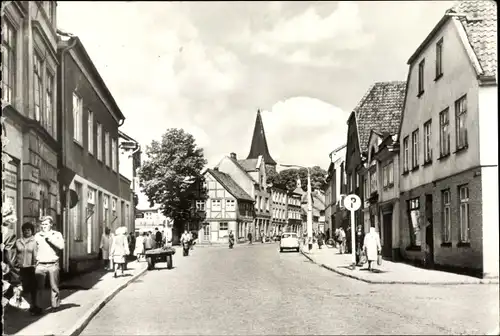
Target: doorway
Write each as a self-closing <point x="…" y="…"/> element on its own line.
<point x="387" y="235"/>
<point x="429" y="232"/>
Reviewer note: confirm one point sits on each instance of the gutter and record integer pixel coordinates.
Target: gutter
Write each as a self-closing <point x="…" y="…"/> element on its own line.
<point x="62" y="158"/>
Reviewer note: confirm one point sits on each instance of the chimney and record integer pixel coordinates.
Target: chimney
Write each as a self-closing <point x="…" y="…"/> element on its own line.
<point x="233" y="156"/>
<point x="216" y="168"/>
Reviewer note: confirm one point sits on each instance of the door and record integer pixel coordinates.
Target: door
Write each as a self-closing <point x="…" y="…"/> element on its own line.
<point x="206" y="233"/>
<point x="387" y="235"/>
<point x="429" y="232"/>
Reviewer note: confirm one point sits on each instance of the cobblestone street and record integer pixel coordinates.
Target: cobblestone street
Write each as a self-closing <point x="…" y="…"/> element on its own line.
<point x="256" y="290"/>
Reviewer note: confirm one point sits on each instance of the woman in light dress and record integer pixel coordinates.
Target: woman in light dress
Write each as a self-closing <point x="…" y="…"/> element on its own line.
<point x="119" y="249"/>
<point x="372" y="247"/>
<point x="139" y="247"/>
<point x="106" y="240"/>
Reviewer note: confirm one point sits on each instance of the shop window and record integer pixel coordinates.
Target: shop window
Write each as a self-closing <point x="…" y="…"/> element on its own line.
<point x="77" y="214"/>
<point x="414" y="221"/>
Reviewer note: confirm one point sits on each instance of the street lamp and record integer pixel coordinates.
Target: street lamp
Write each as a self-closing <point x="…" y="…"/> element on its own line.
<point x="309" y="203"/>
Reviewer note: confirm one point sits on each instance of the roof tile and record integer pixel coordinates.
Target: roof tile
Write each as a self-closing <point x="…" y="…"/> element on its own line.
<point x="380" y="110"/>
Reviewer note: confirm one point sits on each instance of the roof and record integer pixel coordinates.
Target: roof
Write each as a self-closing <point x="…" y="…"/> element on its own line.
<point x="259" y="142"/>
<point x="242" y="169"/>
<point x="230" y="185"/>
<point x="380" y="110"/>
<point x="480" y="24"/>
<point x="249" y="164"/>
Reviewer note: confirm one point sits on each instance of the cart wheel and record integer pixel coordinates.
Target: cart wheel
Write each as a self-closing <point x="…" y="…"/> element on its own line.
<point x="150" y="263"/>
<point x="169" y="262"/>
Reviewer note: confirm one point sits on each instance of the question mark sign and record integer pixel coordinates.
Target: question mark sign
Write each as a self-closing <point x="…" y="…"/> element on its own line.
<point x="353" y="201"/>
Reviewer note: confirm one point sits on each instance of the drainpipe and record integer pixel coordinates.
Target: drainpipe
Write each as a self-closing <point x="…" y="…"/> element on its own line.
<point x="62" y="158"/>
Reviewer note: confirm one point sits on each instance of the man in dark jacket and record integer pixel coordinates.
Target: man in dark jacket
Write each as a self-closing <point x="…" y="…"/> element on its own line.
<point x="158" y="238"/>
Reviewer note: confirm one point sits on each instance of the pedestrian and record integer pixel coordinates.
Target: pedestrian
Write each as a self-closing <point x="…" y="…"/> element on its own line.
<point x="49" y="243"/>
<point x="25" y="249"/>
<point x="342" y="241"/>
<point x="105" y="246"/>
<point x="119" y="249"/>
<point x="131" y="244"/>
<point x="158" y="237"/>
<point x="372" y="247"/>
<point x="139" y="247"/>
<point x="250" y="237"/>
<point x="185" y="243"/>
<point x="359" y="240"/>
<point x="148" y="242"/>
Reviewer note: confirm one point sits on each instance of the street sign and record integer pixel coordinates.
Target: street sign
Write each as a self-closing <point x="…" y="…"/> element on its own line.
<point x="352" y="202"/>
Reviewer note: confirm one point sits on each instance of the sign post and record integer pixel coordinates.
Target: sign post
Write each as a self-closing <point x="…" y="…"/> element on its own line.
<point x="352" y="203"/>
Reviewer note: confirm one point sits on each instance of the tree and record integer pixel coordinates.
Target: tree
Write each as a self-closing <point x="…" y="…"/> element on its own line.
<point x="288" y="178"/>
<point x="168" y="171"/>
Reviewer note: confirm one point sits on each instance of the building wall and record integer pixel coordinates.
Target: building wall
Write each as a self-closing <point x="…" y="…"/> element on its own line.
<point x="279" y="216"/>
<point x="458" y="78"/>
<point x="78" y="157"/>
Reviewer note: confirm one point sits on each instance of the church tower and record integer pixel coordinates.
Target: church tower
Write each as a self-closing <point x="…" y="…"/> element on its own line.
<point x="259" y="144"/>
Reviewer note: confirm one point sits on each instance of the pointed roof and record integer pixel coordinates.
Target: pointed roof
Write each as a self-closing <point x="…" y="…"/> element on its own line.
<point x="259" y="143"/>
<point x="231" y="186"/>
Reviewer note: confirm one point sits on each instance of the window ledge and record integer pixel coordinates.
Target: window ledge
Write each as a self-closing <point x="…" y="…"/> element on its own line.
<point x="420" y="94"/>
<point x="463" y="244"/>
<point x="427" y="163"/>
<point x="438" y="77"/>
<point x="91" y="154"/>
<point x="78" y="143"/>
<point x="445" y="244"/>
<point x="461" y="149"/>
<point x="443" y="156"/>
<point x="405" y="173"/>
<point x="415" y="168"/>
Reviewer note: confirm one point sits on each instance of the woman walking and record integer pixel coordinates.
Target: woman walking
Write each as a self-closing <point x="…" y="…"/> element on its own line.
<point x="372" y="247"/>
<point x="106" y="241"/>
<point x="119" y="249"/>
<point x="139" y="247"/>
<point x="25" y="248"/>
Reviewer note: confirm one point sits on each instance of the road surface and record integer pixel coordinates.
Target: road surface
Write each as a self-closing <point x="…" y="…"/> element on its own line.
<point x="255" y="290"/>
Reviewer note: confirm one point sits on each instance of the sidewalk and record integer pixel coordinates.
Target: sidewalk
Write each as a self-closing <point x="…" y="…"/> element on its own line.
<point x="81" y="298"/>
<point x="389" y="272"/>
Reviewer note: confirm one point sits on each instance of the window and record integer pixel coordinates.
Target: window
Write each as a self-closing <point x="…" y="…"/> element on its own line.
<point x="37" y="86"/>
<point x="446" y="214"/>
<point x="105" y="206"/>
<point x="444" y="133"/>
<point x="77" y="215"/>
<point x="461" y="115"/>
<point x="365" y="187"/>
<point x="406" y="154"/>
<point x="49" y="103"/>
<point x="216" y="206"/>
<point x="90" y="126"/>
<point x="415" y="145"/>
<point x="427" y="142"/>
<point x="113" y="154"/>
<point x="230" y="205"/>
<point x="223" y="226"/>
<point x="99" y="141"/>
<point x="414" y="220"/>
<point x="463" y="192"/>
<point x="388" y="172"/>
<point x="8" y="61"/>
<point x="200" y="205"/>
<point x="44" y="199"/>
<point x="373" y="181"/>
<point x="421" y="66"/>
<point x="439" y="58"/>
<point x="77" y="117"/>
<point x="106" y="149"/>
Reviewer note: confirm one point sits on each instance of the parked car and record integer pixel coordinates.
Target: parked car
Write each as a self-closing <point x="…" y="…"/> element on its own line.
<point x="289" y="241"/>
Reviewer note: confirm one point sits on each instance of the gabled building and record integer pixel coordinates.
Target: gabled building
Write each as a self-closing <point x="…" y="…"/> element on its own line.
<point x="227" y="208"/>
<point x="374" y="112"/>
<point x="96" y="196"/>
<point x="335" y="213"/>
<point x="449" y="144"/>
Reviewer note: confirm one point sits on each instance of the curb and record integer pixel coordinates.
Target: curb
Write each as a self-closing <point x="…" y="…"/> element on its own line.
<point x="89" y="315"/>
<point x="387" y="282"/>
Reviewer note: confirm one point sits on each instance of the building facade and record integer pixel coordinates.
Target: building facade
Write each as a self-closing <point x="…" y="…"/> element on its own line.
<point x="150" y="219"/>
<point x="294" y="212"/>
<point x="279" y="217"/>
<point x="335" y="213"/>
<point x="228" y="208"/>
<point x="96" y="196"/>
<point x="448" y="144"/>
<point x="29" y="72"/>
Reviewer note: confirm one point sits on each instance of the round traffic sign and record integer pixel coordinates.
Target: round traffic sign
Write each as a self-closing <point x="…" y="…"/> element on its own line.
<point x="352" y="202"/>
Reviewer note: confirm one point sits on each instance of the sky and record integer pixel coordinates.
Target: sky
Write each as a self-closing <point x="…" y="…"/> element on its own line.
<point x="207" y="67"/>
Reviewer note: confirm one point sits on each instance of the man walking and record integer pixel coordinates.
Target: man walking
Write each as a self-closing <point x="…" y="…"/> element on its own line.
<point x="48" y="245"/>
<point x="158" y="238"/>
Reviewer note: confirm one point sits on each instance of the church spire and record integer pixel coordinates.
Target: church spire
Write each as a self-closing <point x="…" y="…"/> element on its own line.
<point x="259" y="143"/>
